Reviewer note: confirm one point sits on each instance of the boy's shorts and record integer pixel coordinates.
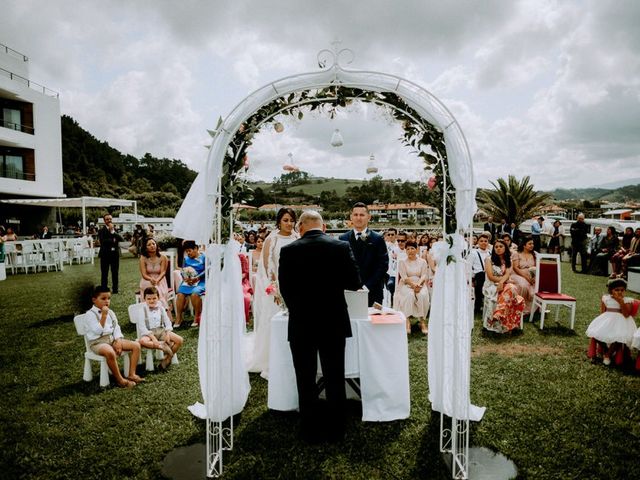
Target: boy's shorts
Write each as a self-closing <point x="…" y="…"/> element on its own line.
<point x="94" y="345"/>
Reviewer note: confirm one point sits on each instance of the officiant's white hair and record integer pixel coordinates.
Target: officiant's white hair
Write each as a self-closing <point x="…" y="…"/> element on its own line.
<point x="311" y="219"/>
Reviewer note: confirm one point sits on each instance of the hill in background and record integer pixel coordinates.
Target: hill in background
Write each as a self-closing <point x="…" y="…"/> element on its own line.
<point x="93" y="168"/>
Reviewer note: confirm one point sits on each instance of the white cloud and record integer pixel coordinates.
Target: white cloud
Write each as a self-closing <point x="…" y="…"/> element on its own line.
<point x="541" y="88"/>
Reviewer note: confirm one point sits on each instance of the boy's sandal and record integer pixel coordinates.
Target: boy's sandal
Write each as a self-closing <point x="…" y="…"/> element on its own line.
<point x="136" y="379"/>
<point x="127" y="384"/>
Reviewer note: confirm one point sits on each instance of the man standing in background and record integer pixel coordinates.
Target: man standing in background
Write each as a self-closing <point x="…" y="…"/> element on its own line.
<point x="109" y="252"/>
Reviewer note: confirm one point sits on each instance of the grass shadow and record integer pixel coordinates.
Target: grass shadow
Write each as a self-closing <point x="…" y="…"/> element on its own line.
<point x="67" y="318"/>
<point x="86" y="389"/>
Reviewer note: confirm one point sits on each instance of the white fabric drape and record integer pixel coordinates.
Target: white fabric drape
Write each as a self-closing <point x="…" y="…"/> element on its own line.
<point x="224" y="380"/>
<point x="450" y="324"/>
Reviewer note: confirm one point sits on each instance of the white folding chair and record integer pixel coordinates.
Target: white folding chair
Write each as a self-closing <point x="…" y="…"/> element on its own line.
<point x="49" y="257"/>
<point x="26" y="257"/>
<point x="89" y="356"/>
<point x="136" y="312"/>
<point x="11" y="256"/>
<point x="548" y="288"/>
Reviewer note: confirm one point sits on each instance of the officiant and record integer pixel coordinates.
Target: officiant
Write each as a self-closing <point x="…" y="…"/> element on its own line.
<point x="370" y="251"/>
<point x="313" y="273"/>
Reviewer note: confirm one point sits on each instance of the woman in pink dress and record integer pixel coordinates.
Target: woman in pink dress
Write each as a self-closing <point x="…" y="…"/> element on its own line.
<point x="524" y="272"/>
<point x="412" y="292"/>
<point x="153" y="268"/>
<point x="502" y="304"/>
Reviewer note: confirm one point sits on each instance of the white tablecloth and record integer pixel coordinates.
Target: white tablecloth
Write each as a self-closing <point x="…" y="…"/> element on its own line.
<point x="377" y="354"/>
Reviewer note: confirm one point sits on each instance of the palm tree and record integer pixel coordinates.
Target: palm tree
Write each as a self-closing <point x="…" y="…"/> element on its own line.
<point x="512" y="200"/>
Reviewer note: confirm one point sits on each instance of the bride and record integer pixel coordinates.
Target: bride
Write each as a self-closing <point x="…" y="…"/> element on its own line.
<point x="267" y="305"/>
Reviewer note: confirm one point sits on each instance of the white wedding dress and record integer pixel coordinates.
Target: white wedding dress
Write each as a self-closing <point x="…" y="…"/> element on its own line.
<point x="264" y="306"/>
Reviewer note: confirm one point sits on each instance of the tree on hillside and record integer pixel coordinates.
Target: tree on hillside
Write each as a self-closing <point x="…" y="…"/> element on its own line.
<point x="512" y="199"/>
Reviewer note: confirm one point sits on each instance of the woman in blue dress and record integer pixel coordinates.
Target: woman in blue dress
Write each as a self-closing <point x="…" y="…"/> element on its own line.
<point x="193" y="284"/>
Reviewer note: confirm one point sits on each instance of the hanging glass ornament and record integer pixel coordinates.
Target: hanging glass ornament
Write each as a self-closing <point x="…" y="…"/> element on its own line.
<point x="336" y="138"/>
<point x="371" y="166"/>
<point x="290" y="166"/>
<point x="278" y="127"/>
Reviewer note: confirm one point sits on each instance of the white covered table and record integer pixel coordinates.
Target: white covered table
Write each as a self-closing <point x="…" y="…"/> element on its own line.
<point x="377" y="354"/>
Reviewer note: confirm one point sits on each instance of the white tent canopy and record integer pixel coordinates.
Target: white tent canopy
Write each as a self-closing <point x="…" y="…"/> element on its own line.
<point x="79" y="202"/>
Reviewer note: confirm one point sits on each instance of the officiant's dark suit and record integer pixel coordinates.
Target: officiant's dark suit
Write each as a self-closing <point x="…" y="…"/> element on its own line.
<point x="370" y="251"/>
<point x="313" y="273"/>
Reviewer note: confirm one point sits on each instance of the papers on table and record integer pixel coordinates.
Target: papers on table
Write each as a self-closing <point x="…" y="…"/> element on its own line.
<point x="385" y="316"/>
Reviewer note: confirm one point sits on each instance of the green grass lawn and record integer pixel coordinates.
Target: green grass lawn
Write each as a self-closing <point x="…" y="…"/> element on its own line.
<point x="548" y="408"/>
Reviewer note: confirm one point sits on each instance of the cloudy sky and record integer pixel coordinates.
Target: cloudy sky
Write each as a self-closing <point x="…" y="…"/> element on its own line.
<point x="549" y="89"/>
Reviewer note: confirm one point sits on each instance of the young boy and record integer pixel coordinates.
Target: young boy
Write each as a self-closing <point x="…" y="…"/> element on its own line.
<point x="478" y="257"/>
<point x="106" y="339"/>
<point x="155" y="328"/>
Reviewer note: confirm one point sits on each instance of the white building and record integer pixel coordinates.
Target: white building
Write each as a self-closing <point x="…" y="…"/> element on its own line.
<point x="30" y="137"/>
<point x="127" y="222"/>
<point x="402" y="212"/>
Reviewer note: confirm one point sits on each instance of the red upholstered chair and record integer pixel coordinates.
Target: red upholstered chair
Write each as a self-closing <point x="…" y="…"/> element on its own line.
<point x="548" y="288"/>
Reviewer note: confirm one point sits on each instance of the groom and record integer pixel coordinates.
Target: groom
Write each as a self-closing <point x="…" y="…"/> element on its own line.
<point x="370" y="251"/>
<point x="313" y="273"/>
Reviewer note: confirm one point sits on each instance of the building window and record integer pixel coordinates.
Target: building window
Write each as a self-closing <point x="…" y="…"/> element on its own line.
<point x="16" y="115"/>
<point x="17" y="163"/>
<point x="11" y="118"/>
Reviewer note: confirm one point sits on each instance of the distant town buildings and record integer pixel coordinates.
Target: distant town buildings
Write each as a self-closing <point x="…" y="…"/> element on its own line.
<point x="402" y="212"/>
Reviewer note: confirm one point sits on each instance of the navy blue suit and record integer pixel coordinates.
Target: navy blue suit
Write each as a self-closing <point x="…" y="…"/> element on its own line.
<point x="313" y="273"/>
<point x="372" y="259"/>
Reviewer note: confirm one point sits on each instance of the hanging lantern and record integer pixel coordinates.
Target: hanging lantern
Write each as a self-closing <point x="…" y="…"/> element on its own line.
<point x="278" y="127"/>
<point x="431" y="183"/>
<point x="371" y="166"/>
<point x="290" y="166"/>
<point x="336" y="138"/>
<point x="245" y="161"/>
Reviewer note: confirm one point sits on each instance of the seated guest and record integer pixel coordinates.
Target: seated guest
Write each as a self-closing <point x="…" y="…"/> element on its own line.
<point x="607" y="248"/>
<point x="250" y="239"/>
<point x="193" y="284"/>
<point x="511" y="247"/>
<point x="593" y="247"/>
<point x="502" y="304"/>
<point x="105" y="337"/>
<point x="632" y="258"/>
<point x="556" y="237"/>
<point x="513" y="232"/>
<point x="392" y="252"/>
<point x="412" y="293"/>
<point x="10" y="236"/>
<point x="524" y="270"/>
<point x="155" y="328"/>
<point x="239" y="237"/>
<point x="431" y="263"/>
<point x="625" y="245"/>
<point x="247" y="290"/>
<point x="478" y="257"/>
<point x="153" y="269"/>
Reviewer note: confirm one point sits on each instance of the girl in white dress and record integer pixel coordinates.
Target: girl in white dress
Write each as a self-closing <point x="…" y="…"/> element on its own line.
<point x="267" y="305"/>
<point x="614" y="327"/>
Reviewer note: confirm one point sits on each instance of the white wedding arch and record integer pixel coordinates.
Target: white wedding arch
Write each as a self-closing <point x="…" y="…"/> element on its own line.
<point x="224" y="381"/>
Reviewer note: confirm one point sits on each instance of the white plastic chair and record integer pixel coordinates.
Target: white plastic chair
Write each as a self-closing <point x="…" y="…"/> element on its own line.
<point x="176" y="277"/>
<point x="136" y="311"/>
<point x="48" y="256"/>
<point x="10" y="256"/>
<point x="548" y="289"/>
<point x="89" y="356"/>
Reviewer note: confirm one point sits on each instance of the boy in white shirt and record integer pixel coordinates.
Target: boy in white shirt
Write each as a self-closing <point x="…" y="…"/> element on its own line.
<point x="106" y="339"/>
<point x="478" y="257"/>
<point x="155" y="328"/>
